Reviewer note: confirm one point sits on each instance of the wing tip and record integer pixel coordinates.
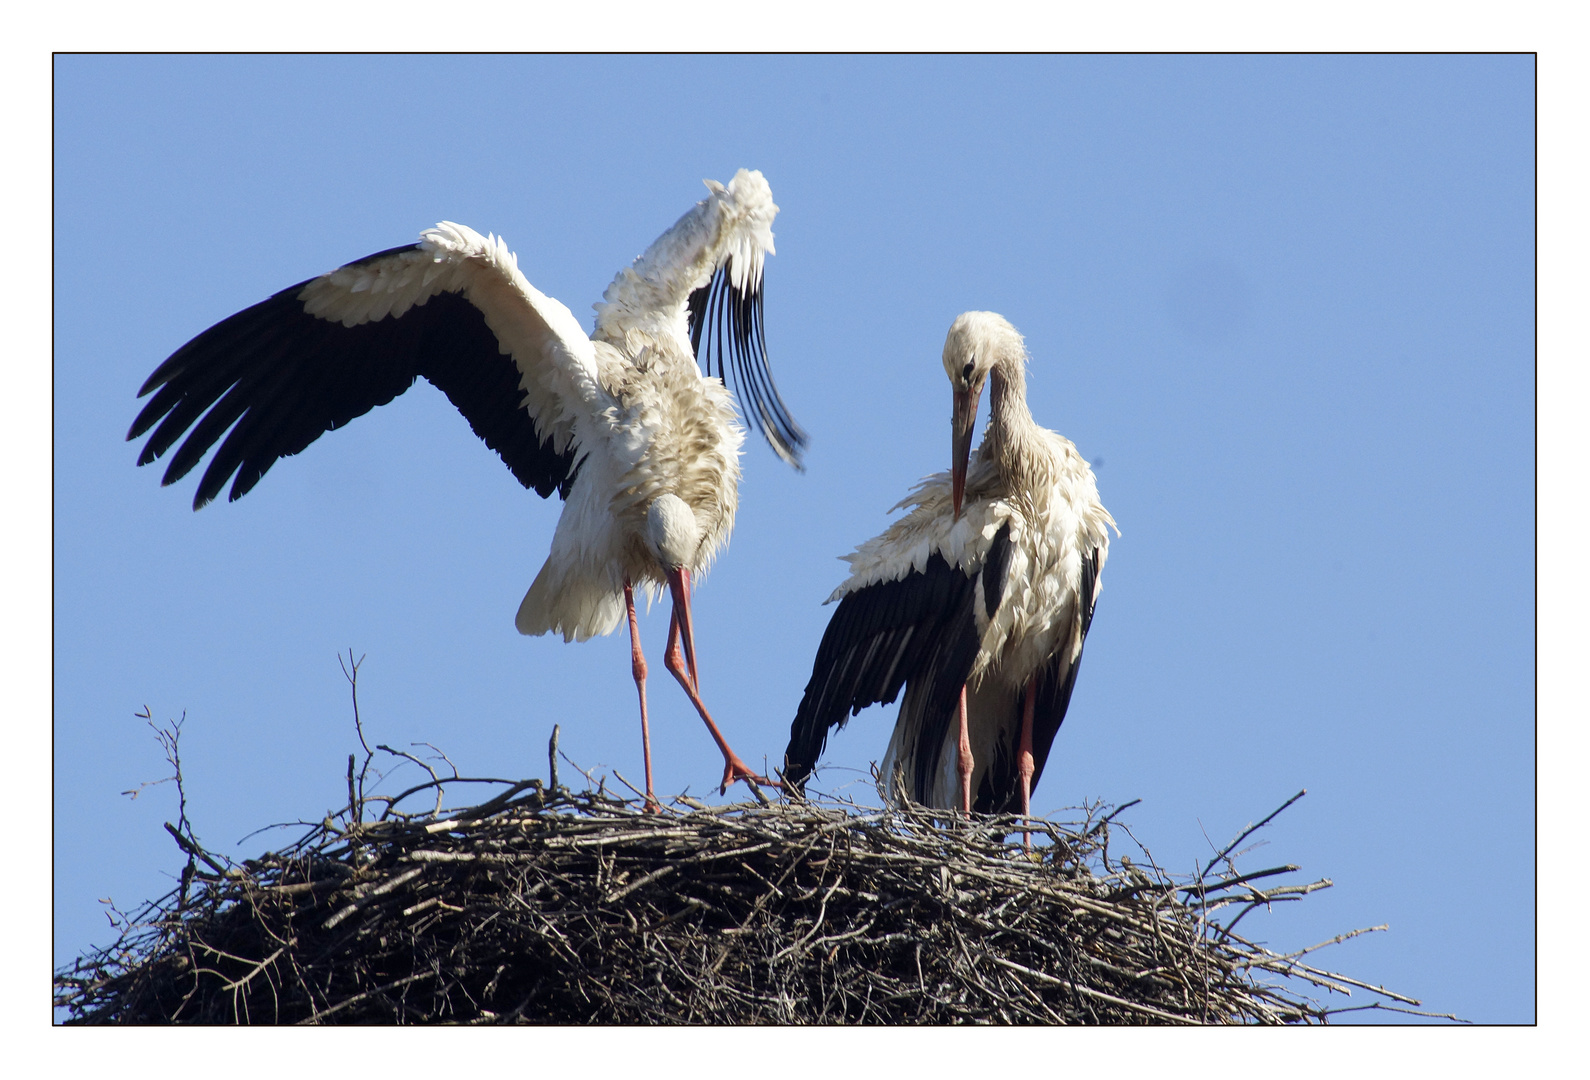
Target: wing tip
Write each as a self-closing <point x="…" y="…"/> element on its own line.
<point x="725" y="320"/>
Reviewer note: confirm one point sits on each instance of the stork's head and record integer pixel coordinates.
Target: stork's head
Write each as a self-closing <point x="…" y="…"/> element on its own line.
<point x="674" y="537"/>
<point x="672" y="532"/>
<point x="978" y="342"/>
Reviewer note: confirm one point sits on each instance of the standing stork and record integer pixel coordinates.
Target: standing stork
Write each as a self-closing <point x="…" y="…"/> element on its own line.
<point x="642" y="446"/>
<point x="979" y="610"/>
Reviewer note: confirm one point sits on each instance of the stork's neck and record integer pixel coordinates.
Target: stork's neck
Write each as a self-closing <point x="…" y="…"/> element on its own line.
<point x="1011" y="442"/>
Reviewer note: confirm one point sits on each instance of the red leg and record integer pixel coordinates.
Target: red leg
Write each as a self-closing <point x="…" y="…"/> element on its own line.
<point x="638" y="667"/>
<point x="733" y="768"/>
<point x="1024" y="757"/>
<point x="965" y="764"/>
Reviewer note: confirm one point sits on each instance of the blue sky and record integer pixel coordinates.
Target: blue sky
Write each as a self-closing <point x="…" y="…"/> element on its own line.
<point x="1285" y="305"/>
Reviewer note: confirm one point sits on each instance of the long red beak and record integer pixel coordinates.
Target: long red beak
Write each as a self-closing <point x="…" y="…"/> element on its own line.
<point x="962" y="421"/>
<point x="679" y="586"/>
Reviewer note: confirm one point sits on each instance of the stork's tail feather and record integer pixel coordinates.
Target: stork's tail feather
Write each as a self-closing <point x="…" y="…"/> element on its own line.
<point x="578" y="610"/>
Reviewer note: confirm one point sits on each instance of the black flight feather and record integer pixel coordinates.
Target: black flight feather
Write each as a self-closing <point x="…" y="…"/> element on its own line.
<point x="726" y="323"/>
<point x="880" y="637"/>
<point x="272" y="378"/>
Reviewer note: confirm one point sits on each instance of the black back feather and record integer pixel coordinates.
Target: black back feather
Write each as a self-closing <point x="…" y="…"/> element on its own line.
<point x="273" y="378"/>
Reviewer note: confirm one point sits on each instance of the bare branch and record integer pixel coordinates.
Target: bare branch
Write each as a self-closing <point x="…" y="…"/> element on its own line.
<point x="1251" y="829"/>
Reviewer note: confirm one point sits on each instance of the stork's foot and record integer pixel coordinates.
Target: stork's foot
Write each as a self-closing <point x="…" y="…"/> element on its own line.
<point x="735" y="769"/>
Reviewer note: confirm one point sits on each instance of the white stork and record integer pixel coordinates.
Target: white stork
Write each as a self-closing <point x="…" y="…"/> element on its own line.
<point x="979" y="611"/>
<point x="643" y="447"/>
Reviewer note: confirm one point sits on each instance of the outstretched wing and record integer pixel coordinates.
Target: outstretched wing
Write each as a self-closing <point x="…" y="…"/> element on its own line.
<point x="454" y="309"/>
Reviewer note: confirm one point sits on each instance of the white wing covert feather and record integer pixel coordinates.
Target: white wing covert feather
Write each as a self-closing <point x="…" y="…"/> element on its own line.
<point x="556" y="359"/>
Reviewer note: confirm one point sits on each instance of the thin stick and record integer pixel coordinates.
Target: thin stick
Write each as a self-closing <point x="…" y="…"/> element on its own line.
<point x="1251" y="829"/>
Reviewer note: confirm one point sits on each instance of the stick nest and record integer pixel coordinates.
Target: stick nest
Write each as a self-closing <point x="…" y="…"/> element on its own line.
<point x="549" y="906"/>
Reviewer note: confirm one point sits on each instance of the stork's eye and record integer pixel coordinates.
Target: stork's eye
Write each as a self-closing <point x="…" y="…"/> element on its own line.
<point x="966" y="372"/>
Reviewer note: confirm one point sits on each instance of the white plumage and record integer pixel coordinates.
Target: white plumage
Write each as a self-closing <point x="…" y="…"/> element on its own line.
<point x="642" y="445"/>
<point x="992" y="597"/>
